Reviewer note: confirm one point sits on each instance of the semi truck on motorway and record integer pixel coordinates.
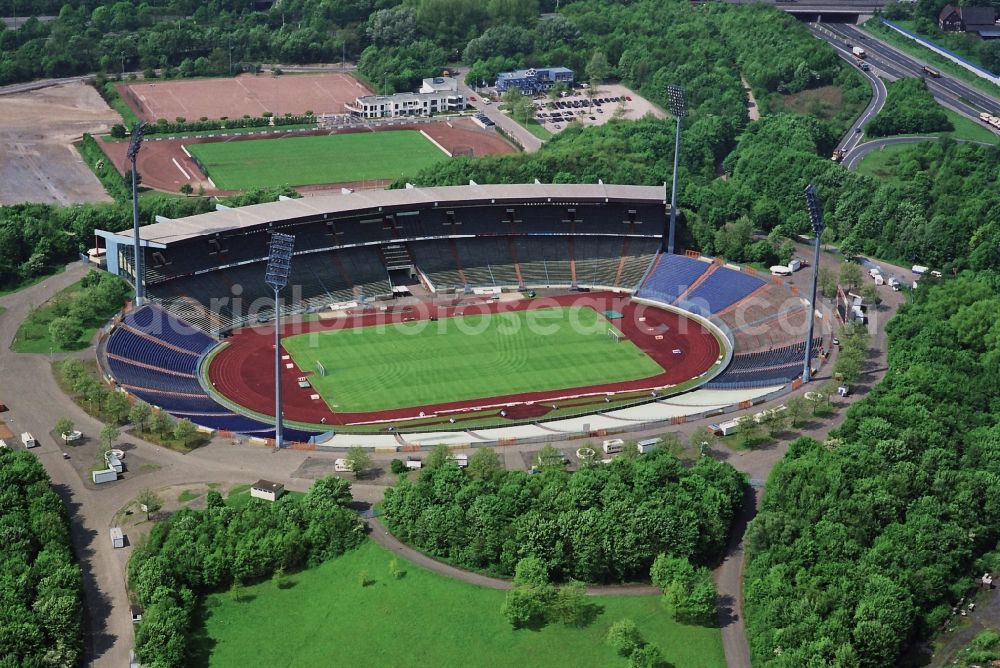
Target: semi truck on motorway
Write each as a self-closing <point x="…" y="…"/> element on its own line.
<point x="858" y="52"/>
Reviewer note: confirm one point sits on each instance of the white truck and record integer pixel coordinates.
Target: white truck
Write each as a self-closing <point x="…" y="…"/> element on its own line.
<point x="28" y="440"/>
<point x="858" y="52"/>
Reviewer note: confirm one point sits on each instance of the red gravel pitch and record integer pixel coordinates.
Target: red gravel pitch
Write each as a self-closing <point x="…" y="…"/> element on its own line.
<point x="244" y="94"/>
<point x="243" y="371"/>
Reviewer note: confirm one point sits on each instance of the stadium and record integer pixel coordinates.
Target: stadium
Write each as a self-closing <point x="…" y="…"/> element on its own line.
<point x="464" y="315"/>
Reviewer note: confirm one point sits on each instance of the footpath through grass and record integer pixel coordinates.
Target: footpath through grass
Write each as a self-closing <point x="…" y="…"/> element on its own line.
<point x="317" y="159"/>
<point x="466" y="357"/>
<point x="422" y="619"/>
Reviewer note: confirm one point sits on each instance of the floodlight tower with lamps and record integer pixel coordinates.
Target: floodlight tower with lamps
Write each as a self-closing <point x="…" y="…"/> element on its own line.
<point x="816" y="217"/>
<point x="678" y="107"/>
<point x="133" y="152"/>
<point x="279" y="265"/>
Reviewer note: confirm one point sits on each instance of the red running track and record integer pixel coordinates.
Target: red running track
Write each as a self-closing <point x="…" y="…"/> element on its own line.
<point x="244" y="370"/>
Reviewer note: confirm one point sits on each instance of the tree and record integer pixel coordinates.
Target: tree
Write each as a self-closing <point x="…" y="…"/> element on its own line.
<point x="358" y="459"/>
<point x="397" y="466"/>
<point x="65" y="331"/>
<point x="826" y="281"/>
<point x="139" y="415"/>
<point x="871" y="295"/>
<point x="749" y="430"/>
<point x="184" y="431"/>
<point x="850" y="275"/>
<point x="549" y="458"/>
<point x="774" y="421"/>
<point x="116" y="407"/>
<point x="798" y="409"/>
<point x="571" y="607"/>
<point x="624" y="637"/>
<point x="160" y="422"/>
<point x="64" y="426"/>
<point x="109" y="434"/>
<point x="484" y="464"/>
<point x="118" y="131"/>
<point x="597" y="70"/>
<point x="439" y="456"/>
<point x="147" y="498"/>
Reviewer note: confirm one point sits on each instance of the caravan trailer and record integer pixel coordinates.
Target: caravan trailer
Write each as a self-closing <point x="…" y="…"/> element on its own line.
<point x="613" y="445"/>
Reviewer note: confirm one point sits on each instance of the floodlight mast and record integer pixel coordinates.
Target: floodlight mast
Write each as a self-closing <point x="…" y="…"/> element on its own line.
<point x="816" y="217"/>
<point x="133" y="152"/>
<point x="678" y="107"/>
<point x="279" y="265"/>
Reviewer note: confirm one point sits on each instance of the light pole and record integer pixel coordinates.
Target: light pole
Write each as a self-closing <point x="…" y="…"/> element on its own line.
<point x="123" y="67"/>
<point x="279" y="265"/>
<point x="678" y="107"/>
<point x="816" y="217"/>
<point x="133" y="151"/>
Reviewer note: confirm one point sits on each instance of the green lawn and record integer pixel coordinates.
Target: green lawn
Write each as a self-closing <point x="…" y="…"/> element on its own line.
<point x="423" y="619"/>
<point x="466" y="357"/>
<point x="299" y="161"/>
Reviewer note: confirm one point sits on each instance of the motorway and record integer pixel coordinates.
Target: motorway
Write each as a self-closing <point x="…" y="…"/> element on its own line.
<point x="965" y="98"/>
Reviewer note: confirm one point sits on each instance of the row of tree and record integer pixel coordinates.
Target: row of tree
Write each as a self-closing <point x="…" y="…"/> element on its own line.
<point x="41" y="587"/>
<point x="197" y="552"/>
<point x="864" y="546"/>
<point x="602" y="523"/>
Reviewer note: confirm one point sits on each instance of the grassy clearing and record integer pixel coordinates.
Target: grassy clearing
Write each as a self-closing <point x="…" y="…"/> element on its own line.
<point x="298" y="161"/>
<point x="907" y="45"/>
<point x="824" y="102"/>
<point x="422" y="619"/>
<point x="467" y="357"/>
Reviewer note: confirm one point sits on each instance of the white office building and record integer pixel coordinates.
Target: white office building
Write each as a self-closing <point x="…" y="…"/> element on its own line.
<point x="437" y="95"/>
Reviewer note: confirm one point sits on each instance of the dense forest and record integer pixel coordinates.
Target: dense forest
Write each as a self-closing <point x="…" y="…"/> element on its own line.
<point x="864" y="546"/>
<point x="197" y="552"/>
<point x="598" y="524"/>
<point x="41" y="619"/>
<point x="909" y="107"/>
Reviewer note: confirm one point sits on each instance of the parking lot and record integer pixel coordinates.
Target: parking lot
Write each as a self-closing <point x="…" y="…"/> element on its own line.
<point x="607" y="102"/>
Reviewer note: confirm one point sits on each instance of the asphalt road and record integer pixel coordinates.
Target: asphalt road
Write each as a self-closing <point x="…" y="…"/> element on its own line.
<point x="968" y="99"/>
<point x="855" y="156"/>
<point x="852" y="138"/>
<point x="528" y="141"/>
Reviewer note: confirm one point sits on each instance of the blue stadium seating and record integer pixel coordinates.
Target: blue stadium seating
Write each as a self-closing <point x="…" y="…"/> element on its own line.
<point x="756" y="377"/>
<point x="721" y="289"/>
<point x="671" y="276"/>
<point x="126" y="343"/>
<point x="138" y="376"/>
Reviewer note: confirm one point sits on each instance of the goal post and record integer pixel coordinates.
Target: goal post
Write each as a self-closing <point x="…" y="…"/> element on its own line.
<point x="320" y="369"/>
<point x="615" y="335"/>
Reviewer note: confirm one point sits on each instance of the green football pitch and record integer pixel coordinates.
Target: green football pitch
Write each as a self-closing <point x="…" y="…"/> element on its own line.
<point x="466" y="357"/>
<point x="301" y="161"/>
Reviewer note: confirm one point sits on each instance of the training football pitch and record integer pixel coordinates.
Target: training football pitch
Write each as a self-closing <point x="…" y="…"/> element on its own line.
<point x="466" y="357"/>
<point x="311" y="160"/>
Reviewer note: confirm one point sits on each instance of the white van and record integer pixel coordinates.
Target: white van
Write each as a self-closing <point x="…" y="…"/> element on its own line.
<point x="874" y="271"/>
<point x="28" y="440"/>
<point x="613" y="445"/>
<point x="414" y="464"/>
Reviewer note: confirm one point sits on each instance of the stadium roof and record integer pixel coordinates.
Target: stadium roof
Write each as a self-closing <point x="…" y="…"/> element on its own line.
<point x="227" y="220"/>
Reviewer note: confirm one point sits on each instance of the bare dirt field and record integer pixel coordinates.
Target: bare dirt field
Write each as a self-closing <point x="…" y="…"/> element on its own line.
<point x="164" y="165"/>
<point x="245" y="94"/>
<point x="37" y="160"/>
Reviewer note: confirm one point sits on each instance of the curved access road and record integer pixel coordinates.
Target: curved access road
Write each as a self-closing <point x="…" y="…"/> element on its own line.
<point x="855" y="155"/>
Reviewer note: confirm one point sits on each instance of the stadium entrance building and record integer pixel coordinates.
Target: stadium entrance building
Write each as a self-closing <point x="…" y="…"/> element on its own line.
<point x="532" y="81"/>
